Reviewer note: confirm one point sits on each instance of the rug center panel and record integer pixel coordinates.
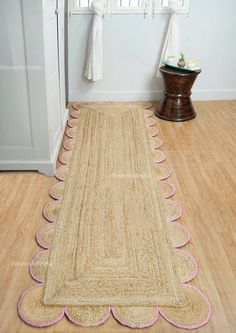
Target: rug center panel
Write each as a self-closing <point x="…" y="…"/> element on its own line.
<point x="110" y="245"/>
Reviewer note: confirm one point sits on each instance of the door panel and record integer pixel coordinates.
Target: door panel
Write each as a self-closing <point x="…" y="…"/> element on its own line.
<point x="15" y="123"/>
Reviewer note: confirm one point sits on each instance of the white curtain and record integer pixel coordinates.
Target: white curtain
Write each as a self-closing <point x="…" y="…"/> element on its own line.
<point x="172" y="41"/>
<point x="94" y="66"/>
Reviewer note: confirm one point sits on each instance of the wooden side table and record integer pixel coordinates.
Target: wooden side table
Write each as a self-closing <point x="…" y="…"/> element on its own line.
<point x="176" y="104"/>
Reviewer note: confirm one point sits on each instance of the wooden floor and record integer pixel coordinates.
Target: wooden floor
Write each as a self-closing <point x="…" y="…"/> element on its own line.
<point x="202" y="155"/>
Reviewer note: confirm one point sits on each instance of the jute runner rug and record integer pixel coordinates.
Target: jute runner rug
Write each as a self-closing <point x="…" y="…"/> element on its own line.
<point x="112" y="245"/>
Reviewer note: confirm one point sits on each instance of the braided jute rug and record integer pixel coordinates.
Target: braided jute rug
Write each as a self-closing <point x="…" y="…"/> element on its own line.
<point x="112" y="244"/>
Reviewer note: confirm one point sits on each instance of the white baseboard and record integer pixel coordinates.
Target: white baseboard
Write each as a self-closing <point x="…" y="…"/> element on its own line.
<point x="214" y="95"/>
<point x="45" y="167"/>
<point x="220" y="94"/>
<point x="115" y="96"/>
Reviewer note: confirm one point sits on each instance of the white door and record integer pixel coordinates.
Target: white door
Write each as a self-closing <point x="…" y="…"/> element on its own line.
<point x="52" y="68"/>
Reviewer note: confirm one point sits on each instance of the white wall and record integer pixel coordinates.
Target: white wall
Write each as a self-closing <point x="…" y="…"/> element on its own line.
<point x="132" y="46"/>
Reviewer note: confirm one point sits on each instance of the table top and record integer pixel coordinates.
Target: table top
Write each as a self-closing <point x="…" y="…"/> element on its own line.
<point x="178" y="71"/>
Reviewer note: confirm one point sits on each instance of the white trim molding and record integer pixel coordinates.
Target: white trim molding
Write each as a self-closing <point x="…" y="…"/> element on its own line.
<point x="221" y="94"/>
<point x="214" y="95"/>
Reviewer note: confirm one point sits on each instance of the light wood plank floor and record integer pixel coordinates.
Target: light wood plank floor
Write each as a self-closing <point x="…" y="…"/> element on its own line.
<point x="202" y="156"/>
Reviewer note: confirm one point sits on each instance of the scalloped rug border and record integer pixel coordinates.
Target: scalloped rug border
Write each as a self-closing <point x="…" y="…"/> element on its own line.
<point x="94" y="316"/>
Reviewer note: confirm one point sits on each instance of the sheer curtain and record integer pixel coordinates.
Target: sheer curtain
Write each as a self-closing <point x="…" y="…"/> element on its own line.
<point x="172" y="41"/>
<point x="94" y="66"/>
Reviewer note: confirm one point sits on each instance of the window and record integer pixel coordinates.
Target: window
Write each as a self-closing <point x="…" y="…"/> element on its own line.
<point x="184" y="6"/>
<point x="80" y="6"/>
<point x="84" y="3"/>
<point x="128" y="6"/>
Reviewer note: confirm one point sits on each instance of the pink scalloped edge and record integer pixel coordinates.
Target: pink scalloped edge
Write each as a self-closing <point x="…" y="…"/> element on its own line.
<point x="51" y="195"/>
<point x="154" y="138"/>
<point x="162" y="159"/>
<point x="193" y="260"/>
<point x="148" y="110"/>
<point x="157" y="147"/>
<point x="149" y="115"/>
<point x="156" y="132"/>
<point x="152" y="124"/>
<point x="56" y="175"/>
<point x="63" y="144"/>
<point x="60" y="158"/>
<point x="75" y="108"/>
<point x="64" y="311"/>
<point x="41" y="244"/>
<point x="34" y="277"/>
<point x="66" y="148"/>
<point x="171" y="193"/>
<point x="185" y="230"/>
<point x="164" y="178"/>
<point x="179" y="207"/>
<point x="32" y="323"/>
<point x="46" y="217"/>
<point x="76" y="322"/>
<point x="68" y="134"/>
<point x="60" y="179"/>
<point x="74" y="115"/>
<point x="124" y="323"/>
<point x="193" y="274"/>
<point x="196" y="325"/>
<point x="69" y="124"/>
<point x="167" y="175"/>
<point x="148" y="106"/>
